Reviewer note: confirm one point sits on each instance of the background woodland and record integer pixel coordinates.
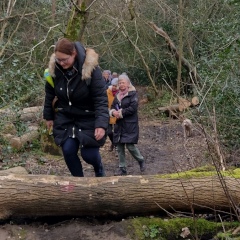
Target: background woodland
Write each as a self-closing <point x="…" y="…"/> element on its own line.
<point x="173" y="51"/>
<point x="175" y="48"/>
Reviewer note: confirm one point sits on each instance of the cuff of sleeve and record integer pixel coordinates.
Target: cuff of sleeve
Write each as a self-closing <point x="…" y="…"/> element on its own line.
<point x="121" y="116"/>
<point x="111" y="112"/>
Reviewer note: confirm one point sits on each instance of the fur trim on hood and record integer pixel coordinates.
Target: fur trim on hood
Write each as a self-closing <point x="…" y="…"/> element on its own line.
<point x="90" y="63"/>
<point x="131" y="88"/>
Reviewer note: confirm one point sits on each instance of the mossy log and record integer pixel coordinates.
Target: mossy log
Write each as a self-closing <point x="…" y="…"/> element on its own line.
<point x="44" y="195"/>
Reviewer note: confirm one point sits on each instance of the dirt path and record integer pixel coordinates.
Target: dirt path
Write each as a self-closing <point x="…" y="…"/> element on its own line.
<point x="164" y="148"/>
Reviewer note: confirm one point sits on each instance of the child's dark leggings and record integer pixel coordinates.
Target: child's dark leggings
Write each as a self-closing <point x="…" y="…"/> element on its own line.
<point x="90" y="155"/>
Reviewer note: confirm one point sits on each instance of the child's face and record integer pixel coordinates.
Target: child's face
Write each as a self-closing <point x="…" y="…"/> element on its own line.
<point x="114" y="87"/>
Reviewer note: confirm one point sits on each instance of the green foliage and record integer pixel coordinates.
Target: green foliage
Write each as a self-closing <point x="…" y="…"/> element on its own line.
<point x="152" y="231"/>
<point x="160" y="229"/>
<point x="211" y="43"/>
<point x="214" y="40"/>
<point x="164" y="98"/>
<point x="9" y="162"/>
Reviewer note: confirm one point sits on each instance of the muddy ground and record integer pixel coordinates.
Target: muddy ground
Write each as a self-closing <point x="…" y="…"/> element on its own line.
<point x="161" y="143"/>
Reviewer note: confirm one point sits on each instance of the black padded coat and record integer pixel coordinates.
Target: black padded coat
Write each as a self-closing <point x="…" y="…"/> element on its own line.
<point x="126" y="129"/>
<point x="82" y="102"/>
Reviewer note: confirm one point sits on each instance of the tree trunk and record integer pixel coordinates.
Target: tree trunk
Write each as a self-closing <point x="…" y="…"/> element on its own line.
<point x="34" y="196"/>
<point x="78" y="19"/>
<point x="53" y="10"/>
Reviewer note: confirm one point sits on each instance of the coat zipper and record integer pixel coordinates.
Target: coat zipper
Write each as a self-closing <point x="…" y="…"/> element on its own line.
<point x="69" y="102"/>
<point x="68" y="81"/>
<point x="73" y="132"/>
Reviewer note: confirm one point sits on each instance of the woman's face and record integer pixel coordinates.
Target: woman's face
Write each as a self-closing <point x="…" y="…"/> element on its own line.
<point x="65" y="60"/>
<point x="105" y="75"/>
<point x="123" y="84"/>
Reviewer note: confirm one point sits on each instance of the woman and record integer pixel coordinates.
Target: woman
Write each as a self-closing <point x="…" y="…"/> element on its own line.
<point x="111" y="92"/>
<point x="126" y="130"/>
<point x="81" y="117"/>
<point x="107" y="77"/>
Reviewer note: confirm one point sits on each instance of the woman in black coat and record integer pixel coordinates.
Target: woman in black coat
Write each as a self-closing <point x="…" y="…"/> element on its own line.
<point x="126" y="129"/>
<point x="80" y="116"/>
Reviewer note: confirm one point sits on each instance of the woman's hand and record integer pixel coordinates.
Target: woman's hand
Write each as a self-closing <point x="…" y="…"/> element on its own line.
<point x="99" y="133"/>
<point x="116" y="114"/>
<point x="49" y="124"/>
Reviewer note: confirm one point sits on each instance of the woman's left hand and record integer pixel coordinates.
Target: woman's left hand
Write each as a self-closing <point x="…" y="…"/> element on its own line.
<point x="99" y="133"/>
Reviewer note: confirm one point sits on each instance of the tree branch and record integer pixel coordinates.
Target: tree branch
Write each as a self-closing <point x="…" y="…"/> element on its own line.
<point x="143" y="60"/>
<point x="18" y="15"/>
<point x="192" y="70"/>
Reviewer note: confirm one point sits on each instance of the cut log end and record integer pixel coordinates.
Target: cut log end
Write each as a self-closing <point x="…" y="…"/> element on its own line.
<point x="195" y="101"/>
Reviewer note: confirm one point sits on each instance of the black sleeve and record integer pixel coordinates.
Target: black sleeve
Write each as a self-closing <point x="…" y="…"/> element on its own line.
<point x="132" y="107"/>
<point x="48" y="112"/>
<point x="115" y="104"/>
<point x="100" y="100"/>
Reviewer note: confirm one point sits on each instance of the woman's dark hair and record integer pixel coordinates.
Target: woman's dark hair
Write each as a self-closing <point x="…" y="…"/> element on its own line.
<point x="65" y="46"/>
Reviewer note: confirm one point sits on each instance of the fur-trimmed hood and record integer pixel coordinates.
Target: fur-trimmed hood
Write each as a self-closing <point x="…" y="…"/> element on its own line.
<point x="89" y="64"/>
<point x="131" y="88"/>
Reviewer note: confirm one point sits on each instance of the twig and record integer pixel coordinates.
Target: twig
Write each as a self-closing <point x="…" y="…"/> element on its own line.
<point x="17" y="15"/>
<point x="209" y="88"/>
<point x="32" y="49"/>
<point x="216" y="141"/>
<point x="165" y="210"/>
<point x="11" y="36"/>
<point x="142" y="57"/>
<point x="173" y="49"/>
<point x="222" y="223"/>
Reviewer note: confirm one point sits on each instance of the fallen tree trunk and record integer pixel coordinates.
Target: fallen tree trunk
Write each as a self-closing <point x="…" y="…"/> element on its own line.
<point x="35" y="196"/>
<point x="170" y="111"/>
<point x="26" y="114"/>
<point x="19" y="142"/>
<point x="183" y="104"/>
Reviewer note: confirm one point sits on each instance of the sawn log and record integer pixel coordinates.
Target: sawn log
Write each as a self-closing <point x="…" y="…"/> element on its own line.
<point x="40" y="195"/>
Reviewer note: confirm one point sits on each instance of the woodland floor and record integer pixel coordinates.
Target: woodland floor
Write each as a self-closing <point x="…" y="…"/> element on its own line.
<point x="161" y="143"/>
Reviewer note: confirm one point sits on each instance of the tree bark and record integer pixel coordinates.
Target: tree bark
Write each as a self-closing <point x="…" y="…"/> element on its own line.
<point x="78" y="20"/>
<point x="35" y="196"/>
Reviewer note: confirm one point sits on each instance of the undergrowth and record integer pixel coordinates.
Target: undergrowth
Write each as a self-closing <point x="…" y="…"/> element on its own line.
<point x="182" y="228"/>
